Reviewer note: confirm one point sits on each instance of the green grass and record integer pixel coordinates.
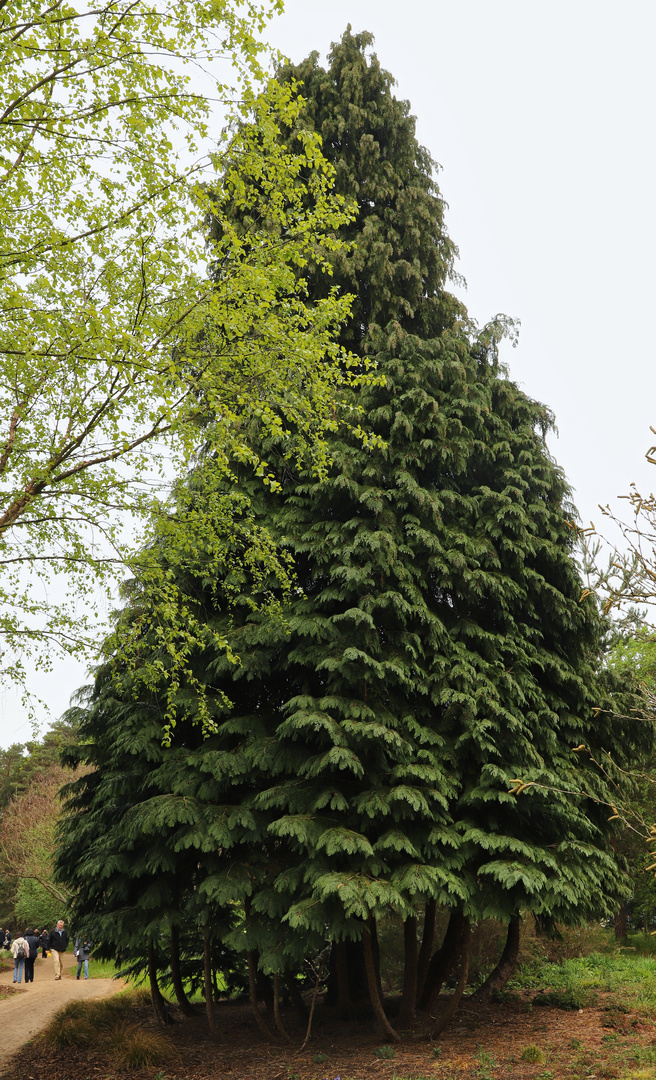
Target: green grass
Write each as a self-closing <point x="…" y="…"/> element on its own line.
<point x="627" y="974"/>
<point x="98" y="969"/>
<point x="532" y="1053"/>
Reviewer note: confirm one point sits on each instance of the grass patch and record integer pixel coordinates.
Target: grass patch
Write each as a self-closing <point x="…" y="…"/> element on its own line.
<point x="532" y="1053"/>
<point x="107" y="1025"/>
<point x="423" y="1076"/>
<point x="385" y="1052"/>
<point x="86" y="1023"/>
<point x="630" y="976"/>
<point x="134" y="1047"/>
<point x="98" y="969"/>
<point x="505" y="997"/>
<point x="573" y="999"/>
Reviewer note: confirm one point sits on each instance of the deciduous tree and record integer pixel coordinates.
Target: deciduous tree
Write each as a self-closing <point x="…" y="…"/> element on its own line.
<point x="114" y="342"/>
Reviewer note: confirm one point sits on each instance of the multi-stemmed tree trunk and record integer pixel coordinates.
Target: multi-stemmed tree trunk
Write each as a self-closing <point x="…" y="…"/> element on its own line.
<point x="444" y="960"/>
<point x="176" y="976"/>
<point x="452" y="1005"/>
<point x="158" y="1002"/>
<point x="503" y="969"/>
<point x="207" y="979"/>
<point x="410" y="971"/>
<point x="426" y="949"/>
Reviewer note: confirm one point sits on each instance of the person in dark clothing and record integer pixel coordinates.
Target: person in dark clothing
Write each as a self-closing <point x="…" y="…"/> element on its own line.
<point x="83" y="949"/>
<point x="6" y="941"/>
<point x="58" y="943"/>
<point x="43" y="943"/>
<point x="33" y="942"/>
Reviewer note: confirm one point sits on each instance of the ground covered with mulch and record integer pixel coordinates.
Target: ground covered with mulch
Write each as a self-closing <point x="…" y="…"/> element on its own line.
<point x="513" y="1040"/>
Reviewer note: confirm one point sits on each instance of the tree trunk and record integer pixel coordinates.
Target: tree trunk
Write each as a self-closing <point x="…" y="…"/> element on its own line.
<point x="621" y="926"/>
<point x="373" y="984"/>
<point x="409" y="998"/>
<point x="159" y="1004"/>
<point x="347" y="977"/>
<point x="296" y="997"/>
<point x="207" y="971"/>
<point x="443" y="961"/>
<point x="264" y="989"/>
<point x="176" y="977"/>
<point x="276" y="1009"/>
<point x="252" y="983"/>
<point x="450" y="1011"/>
<point x="499" y="975"/>
<point x="426" y="950"/>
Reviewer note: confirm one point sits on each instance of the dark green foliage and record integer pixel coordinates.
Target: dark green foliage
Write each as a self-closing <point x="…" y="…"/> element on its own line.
<point x="142" y="839"/>
<point x="401" y="254"/>
<point x="441" y="648"/>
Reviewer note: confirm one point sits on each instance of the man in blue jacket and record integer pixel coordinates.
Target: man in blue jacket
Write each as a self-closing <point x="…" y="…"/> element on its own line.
<point x="58" y="943"/>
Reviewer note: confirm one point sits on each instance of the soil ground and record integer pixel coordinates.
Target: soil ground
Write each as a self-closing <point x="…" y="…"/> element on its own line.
<point x="483" y="1043"/>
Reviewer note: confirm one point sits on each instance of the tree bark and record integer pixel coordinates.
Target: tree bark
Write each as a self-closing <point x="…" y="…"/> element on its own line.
<point x="372" y="982"/>
<point x="499" y="975"/>
<point x="621" y="926"/>
<point x="276" y="1009"/>
<point x="348" y="988"/>
<point x="264" y="989"/>
<point x="176" y="977"/>
<point x="450" y="1011"/>
<point x="252" y="983"/>
<point x="159" y="1004"/>
<point x="409" y="998"/>
<point x="443" y="961"/>
<point x="426" y="950"/>
<point x="207" y="972"/>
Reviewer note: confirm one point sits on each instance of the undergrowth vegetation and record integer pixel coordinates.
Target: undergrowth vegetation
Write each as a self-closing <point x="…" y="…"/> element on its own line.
<point x="110" y="1024"/>
<point x="574" y="983"/>
<point x="610" y="1032"/>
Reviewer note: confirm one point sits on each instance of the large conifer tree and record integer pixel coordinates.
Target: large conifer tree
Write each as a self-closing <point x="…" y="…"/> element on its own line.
<point x="435" y="647"/>
<point x="441" y="648"/>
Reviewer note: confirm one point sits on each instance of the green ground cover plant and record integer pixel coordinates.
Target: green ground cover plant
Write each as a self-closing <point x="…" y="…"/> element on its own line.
<point x="98" y="969"/>
<point x="627" y="974"/>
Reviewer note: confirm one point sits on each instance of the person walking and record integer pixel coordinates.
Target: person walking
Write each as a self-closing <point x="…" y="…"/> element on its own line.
<point x="83" y="949"/>
<point x="58" y="943"/>
<point x="32" y="953"/>
<point x="6" y="941"/>
<point x="20" y="951"/>
<point x="43" y="943"/>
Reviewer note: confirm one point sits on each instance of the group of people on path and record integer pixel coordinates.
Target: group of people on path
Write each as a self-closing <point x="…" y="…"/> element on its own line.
<point x="25" y="950"/>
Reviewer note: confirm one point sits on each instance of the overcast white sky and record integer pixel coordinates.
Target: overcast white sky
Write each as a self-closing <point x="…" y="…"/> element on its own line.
<point x="541" y="116"/>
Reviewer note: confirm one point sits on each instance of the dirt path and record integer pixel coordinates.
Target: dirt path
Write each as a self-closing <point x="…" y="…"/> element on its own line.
<point x="24" y="1014"/>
